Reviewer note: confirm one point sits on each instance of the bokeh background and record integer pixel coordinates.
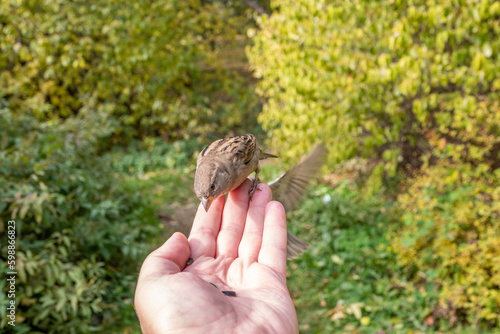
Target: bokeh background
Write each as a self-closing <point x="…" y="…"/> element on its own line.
<point x="104" y="106"/>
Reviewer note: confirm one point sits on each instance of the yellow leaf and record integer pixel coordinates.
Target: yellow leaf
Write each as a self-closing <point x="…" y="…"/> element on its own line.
<point x="336" y="313"/>
<point x="355" y="309"/>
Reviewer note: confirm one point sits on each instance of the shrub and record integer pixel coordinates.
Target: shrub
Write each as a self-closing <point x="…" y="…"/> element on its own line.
<point x="385" y="79"/>
<point x="349" y="280"/>
<point x="154" y="67"/>
<point x="80" y="237"/>
<point x="451" y="235"/>
<point x="408" y="84"/>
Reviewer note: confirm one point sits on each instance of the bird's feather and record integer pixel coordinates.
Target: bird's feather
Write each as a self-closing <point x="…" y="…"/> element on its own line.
<point x="289" y="188"/>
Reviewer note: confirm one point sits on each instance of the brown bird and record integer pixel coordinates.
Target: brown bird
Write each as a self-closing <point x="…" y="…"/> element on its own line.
<point x="226" y="163"/>
<point x="223" y="165"/>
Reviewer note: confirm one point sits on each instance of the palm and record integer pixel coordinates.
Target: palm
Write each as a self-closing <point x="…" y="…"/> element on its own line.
<point x="259" y="297"/>
<point x="257" y="276"/>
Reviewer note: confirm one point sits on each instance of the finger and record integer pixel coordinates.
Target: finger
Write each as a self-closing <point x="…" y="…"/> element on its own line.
<point x="273" y="249"/>
<point x="252" y="235"/>
<point x="233" y="221"/>
<point x="205" y="229"/>
<point x="170" y="258"/>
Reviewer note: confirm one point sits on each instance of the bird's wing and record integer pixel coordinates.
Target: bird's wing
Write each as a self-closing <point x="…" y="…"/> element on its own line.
<point x="295" y="246"/>
<point x="246" y="148"/>
<point x="289" y="187"/>
<point x="239" y="147"/>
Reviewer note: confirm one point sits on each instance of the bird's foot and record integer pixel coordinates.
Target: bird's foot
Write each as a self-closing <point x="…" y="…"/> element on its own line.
<point x="255" y="186"/>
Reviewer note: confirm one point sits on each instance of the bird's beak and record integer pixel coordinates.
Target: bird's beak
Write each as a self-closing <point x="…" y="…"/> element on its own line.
<point x="207" y="201"/>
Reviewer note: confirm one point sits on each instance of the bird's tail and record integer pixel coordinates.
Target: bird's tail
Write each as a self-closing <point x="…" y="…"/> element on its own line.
<point x="264" y="155"/>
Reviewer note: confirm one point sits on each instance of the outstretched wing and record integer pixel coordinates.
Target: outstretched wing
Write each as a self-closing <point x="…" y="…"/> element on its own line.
<point x="289" y="188"/>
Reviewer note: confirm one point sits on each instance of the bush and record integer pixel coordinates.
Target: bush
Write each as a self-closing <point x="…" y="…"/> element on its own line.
<point x="384" y="79"/>
<point x="154" y="67"/>
<point x="451" y="236"/>
<point x="410" y="85"/>
<point x="80" y="237"/>
<point x="349" y="280"/>
<point x="140" y="157"/>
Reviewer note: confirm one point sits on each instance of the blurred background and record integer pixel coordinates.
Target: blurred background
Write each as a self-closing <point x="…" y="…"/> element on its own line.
<point x="104" y="106"/>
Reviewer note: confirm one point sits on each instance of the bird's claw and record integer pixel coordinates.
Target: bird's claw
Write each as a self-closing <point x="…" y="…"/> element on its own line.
<point x="255" y="186"/>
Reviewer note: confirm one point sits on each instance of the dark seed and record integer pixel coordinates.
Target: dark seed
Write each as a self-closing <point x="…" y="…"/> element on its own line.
<point x="189" y="261"/>
<point x="229" y="293"/>
<point x="213" y="284"/>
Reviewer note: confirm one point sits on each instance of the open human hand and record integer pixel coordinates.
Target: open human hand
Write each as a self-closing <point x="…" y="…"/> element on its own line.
<point x="237" y="246"/>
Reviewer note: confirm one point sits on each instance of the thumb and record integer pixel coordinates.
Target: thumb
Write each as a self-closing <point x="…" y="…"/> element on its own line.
<point x="169" y="259"/>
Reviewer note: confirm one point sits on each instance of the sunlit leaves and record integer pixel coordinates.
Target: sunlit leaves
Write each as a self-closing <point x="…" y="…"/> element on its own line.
<point x="451" y="229"/>
<point x="382" y="75"/>
<point x="169" y="68"/>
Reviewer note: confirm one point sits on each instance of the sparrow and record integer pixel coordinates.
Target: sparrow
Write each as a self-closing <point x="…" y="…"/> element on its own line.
<point x="226" y="163"/>
<point x="223" y="165"/>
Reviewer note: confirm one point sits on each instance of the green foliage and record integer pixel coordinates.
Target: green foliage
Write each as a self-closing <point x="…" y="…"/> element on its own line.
<point x="154" y="67"/>
<point x="348" y="281"/>
<point x="162" y="173"/>
<point x="80" y="236"/>
<point x="409" y="84"/>
<point x="147" y="156"/>
<point x="451" y="236"/>
<point x="384" y="79"/>
<point x="404" y="82"/>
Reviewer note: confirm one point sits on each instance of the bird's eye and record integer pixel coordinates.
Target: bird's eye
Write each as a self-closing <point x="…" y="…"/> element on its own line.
<point x="212" y="186"/>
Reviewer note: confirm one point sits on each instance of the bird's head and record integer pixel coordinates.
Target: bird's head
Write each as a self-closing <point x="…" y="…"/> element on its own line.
<point x="209" y="183"/>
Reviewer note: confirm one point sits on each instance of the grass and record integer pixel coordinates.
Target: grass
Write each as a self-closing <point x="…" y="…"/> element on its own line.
<point x="348" y="281"/>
